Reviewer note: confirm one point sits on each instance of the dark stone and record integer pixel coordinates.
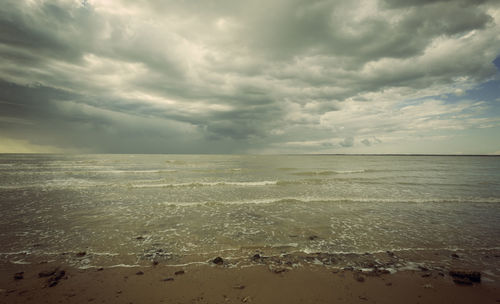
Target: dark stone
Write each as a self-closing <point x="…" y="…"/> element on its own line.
<point x="256" y="257"/>
<point x="462" y="281"/>
<point x="279" y="270"/>
<point x="218" y="261"/>
<point x="472" y="276"/>
<point x="423" y="268"/>
<point x="155" y="263"/>
<point x="377" y="272"/>
<point x="426" y="275"/>
<point x="19" y="275"/>
<point x="56" y="277"/>
<point x="100" y="269"/>
<point x="81" y="253"/>
<point x="46" y="273"/>
<point x="139" y="238"/>
<point x="179" y="272"/>
<point x="358" y="277"/>
<point x="53" y="283"/>
<point x="167" y="279"/>
<point x="313" y="237"/>
<point x="139" y="273"/>
<point x="390" y="253"/>
<point x="455" y="256"/>
<point x="59" y="275"/>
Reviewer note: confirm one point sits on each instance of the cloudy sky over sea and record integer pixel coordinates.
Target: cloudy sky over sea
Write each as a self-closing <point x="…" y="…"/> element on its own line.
<point x="225" y="76"/>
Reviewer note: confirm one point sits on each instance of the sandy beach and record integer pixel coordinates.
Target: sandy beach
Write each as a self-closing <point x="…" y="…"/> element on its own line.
<point x="225" y="283"/>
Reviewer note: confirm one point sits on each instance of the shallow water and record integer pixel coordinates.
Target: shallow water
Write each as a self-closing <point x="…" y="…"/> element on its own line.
<point x="131" y="209"/>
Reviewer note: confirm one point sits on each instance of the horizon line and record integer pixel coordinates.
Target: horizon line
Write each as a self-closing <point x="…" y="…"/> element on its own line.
<point x="263" y="154"/>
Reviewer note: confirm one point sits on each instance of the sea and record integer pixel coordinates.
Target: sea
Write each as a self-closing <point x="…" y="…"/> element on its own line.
<point x="133" y="210"/>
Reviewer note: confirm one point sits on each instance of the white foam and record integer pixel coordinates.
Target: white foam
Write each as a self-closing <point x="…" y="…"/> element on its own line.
<point x="205" y="184"/>
<point x="349" y="171"/>
<point x="21" y="262"/>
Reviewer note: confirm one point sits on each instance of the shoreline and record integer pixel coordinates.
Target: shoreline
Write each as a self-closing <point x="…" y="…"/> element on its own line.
<point x="264" y="280"/>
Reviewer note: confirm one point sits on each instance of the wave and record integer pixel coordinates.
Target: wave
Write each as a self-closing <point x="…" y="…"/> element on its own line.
<point x="329" y="172"/>
<point x="27" y="172"/>
<point x="206" y="184"/>
<point x="339" y="200"/>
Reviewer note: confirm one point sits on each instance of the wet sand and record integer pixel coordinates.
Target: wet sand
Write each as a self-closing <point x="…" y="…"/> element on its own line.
<point x="211" y="283"/>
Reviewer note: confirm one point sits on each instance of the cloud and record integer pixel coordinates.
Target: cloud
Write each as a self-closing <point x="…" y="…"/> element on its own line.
<point x="231" y="77"/>
<point x="347" y="142"/>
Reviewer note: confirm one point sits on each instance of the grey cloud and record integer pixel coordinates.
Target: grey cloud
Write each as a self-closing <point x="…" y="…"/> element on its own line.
<point x="226" y="75"/>
<point x="347" y="142"/>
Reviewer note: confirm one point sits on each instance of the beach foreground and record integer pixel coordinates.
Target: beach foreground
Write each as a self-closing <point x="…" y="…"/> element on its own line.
<point x="211" y="283"/>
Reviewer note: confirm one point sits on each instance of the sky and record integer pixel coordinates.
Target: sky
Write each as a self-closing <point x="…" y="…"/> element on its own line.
<point x="258" y="77"/>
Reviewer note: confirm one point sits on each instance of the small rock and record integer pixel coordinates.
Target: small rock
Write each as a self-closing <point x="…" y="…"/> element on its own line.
<point x="390" y="253"/>
<point x="376" y="272"/>
<point x="46" y="273"/>
<point x="423" y="268"/>
<point x="472" y="276"/>
<point x="179" y="272"/>
<point x="426" y="275"/>
<point x="312" y="237"/>
<point x="53" y="283"/>
<point x="279" y="270"/>
<point x="455" y="256"/>
<point x="19" y="275"/>
<point x="363" y="298"/>
<point x="358" y="277"/>
<point x="54" y="280"/>
<point x="246" y="299"/>
<point x="218" y="261"/>
<point x="167" y="279"/>
<point x="239" y="286"/>
<point x="427" y="286"/>
<point x="139" y="273"/>
<point x="139" y="238"/>
<point x="155" y="263"/>
<point x="59" y="275"/>
<point x="81" y="253"/>
<point x="256" y="257"/>
<point x="100" y="269"/>
<point x="462" y="281"/>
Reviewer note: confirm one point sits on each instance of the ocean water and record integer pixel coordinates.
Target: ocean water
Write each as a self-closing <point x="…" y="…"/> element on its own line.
<point x="131" y="209"/>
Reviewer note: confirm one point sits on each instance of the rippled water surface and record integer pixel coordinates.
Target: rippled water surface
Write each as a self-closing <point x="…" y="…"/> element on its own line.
<point x="129" y="209"/>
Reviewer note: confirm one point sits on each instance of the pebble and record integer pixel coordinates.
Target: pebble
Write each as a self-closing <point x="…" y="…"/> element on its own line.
<point x="19" y="275"/>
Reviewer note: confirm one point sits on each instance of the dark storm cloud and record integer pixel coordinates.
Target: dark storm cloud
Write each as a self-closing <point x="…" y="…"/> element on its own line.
<point x="225" y="76"/>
